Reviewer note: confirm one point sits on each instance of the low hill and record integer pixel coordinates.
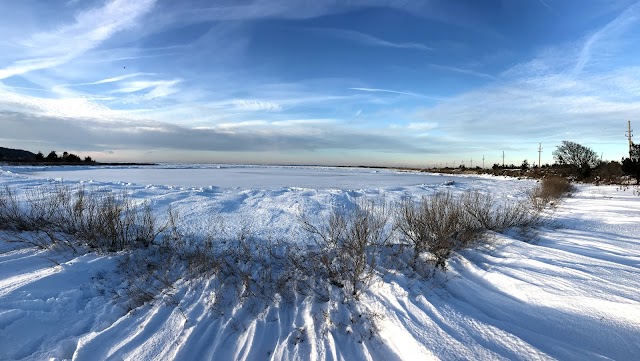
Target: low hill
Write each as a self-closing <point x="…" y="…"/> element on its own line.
<point x="16" y="154"/>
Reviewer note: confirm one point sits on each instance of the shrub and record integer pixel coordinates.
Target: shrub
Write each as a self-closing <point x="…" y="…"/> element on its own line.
<point x="343" y="251"/>
<point x="550" y="188"/>
<point x="442" y="223"/>
<point x="105" y="221"/>
<point x="437" y="224"/>
<point x="608" y="172"/>
<point x="347" y="244"/>
<point x="490" y="214"/>
<point x="631" y="167"/>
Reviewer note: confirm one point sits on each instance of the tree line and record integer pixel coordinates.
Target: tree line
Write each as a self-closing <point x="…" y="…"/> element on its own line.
<point x="581" y="163"/>
<point x="584" y="160"/>
<point x="64" y="158"/>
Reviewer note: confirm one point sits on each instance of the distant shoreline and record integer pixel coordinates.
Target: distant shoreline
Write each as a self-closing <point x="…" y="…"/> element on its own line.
<point x="87" y="164"/>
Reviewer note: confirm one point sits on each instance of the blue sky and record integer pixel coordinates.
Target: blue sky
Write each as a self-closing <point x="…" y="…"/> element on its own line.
<point x="404" y="83"/>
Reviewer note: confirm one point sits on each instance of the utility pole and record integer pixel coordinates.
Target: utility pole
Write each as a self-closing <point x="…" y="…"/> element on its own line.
<point x="483" y="161"/>
<point x="539" y="154"/>
<point x="471" y="164"/>
<point x="630" y="135"/>
<point x="503" y="159"/>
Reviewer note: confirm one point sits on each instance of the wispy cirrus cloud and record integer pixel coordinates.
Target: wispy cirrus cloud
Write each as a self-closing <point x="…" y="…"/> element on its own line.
<point x="462" y="71"/>
<point x="378" y="90"/>
<point x="156" y="88"/>
<point x="91" y="27"/>
<point x="371" y="40"/>
<point x="226" y="10"/>
<point x="543" y="3"/>
<point x="115" y="79"/>
<point x="601" y="40"/>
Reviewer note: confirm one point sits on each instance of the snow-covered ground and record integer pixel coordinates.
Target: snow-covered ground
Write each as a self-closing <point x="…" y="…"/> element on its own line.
<point x="573" y="293"/>
<point x="235" y="176"/>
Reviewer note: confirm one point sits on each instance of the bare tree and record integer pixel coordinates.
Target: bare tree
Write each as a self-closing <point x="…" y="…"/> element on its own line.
<point x="575" y="154"/>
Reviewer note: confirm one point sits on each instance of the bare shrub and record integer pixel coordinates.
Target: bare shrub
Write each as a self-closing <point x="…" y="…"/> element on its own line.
<point x="12" y="213"/>
<point x="442" y="223"/>
<point x="345" y="247"/>
<point x="257" y="268"/>
<point x="490" y="214"/>
<point x="550" y="188"/>
<point x="437" y="224"/>
<point x="59" y="214"/>
<point x="151" y="273"/>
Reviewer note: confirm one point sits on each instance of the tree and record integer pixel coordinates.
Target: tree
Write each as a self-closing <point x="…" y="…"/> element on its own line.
<point x="53" y="156"/>
<point x="634" y="152"/>
<point x="72" y="158"/>
<point x="39" y="156"/>
<point x="524" y="165"/>
<point x="631" y="166"/>
<point x="576" y="155"/>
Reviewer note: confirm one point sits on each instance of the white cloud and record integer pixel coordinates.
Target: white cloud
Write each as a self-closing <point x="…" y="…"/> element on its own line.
<point x="422" y="126"/>
<point x="255" y="105"/>
<point x="529" y="110"/>
<point x="65" y="108"/>
<point x="303" y="122"/>
<point x="91" y="28"/>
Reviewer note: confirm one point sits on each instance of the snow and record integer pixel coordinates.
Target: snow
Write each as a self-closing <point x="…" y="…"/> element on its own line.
<point x="570" y="294"/>
<point x="235" y="176"/>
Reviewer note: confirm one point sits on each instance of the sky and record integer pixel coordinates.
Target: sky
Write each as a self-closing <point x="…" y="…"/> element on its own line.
<point x="327" y="82"/>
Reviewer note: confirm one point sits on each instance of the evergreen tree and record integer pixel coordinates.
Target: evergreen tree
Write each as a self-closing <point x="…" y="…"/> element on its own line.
<point x="631" y="165"/>
<point x="52" y="157"/>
